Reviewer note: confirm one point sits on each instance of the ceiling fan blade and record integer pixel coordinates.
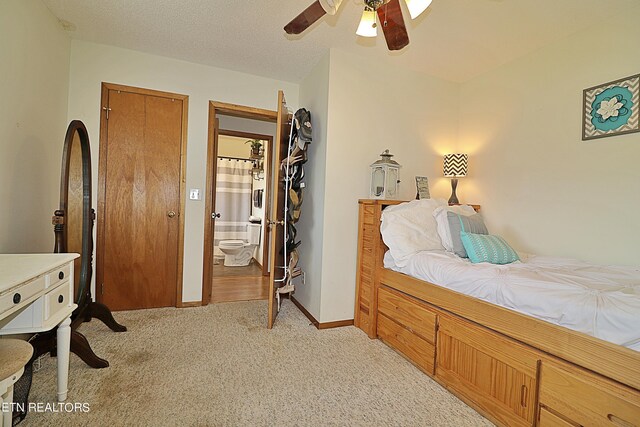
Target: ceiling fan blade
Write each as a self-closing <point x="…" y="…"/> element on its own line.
<point x="305" y="19"/>
<point x="395" y="32"/>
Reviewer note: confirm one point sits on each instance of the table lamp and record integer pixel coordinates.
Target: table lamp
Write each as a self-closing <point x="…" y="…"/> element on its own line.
<point x="455" y="166"/>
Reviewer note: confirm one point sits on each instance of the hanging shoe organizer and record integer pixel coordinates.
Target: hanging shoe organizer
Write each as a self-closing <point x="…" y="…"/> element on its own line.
<point x="293" y="176"/>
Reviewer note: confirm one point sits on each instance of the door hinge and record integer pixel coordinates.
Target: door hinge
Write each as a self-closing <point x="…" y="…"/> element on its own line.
<point x="107" y="109"/>
<point x="102" y="289"/>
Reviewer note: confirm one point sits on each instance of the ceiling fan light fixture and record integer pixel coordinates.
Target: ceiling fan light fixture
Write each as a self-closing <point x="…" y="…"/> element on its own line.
<point x="368" y="25"/>
<point x="416" y="7"/>
<point x="330" y="6"/>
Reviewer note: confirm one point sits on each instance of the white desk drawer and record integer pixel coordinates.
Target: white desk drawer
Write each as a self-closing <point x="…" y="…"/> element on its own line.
<point x="15" y="297"/>
<point x="57" y="300"/>
<point x="58" y="275"/>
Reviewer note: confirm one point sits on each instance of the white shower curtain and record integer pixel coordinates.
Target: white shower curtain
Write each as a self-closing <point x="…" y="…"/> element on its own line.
<point x="233" y="200"/>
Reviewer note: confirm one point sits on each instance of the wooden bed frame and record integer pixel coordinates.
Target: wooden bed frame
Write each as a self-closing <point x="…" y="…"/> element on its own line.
<point x="512" y="368"/>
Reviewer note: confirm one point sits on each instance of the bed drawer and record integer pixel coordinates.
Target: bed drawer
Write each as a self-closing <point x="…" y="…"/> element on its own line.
<point x="419" y="351"/>
<point x="408" y="312"/>
<point x="549" y="419"/>
<point x="494" y="372"/>
<point x="587" y="399"/>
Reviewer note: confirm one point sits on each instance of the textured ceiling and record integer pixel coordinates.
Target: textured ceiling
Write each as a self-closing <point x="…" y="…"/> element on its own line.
<point x="454" y="39"/>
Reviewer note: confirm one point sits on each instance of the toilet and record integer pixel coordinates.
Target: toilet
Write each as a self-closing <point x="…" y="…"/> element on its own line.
<point x="238" y="253"/>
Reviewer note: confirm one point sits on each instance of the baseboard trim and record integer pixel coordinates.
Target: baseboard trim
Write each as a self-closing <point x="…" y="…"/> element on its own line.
<point x="318" y="325"/>
<point x="304" y="311"/>
<point x="189" y="304"/>
<point x="336" y="324"/>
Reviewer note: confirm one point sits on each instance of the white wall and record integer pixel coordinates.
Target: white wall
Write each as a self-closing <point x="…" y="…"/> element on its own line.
<point x="34" y="66"/>
<point x="314" y="96"/>
<point x="232" y="146"/>
<point x="543" y="188"/>
<point x="371" y="106"/>
<point x="92" y="64"/>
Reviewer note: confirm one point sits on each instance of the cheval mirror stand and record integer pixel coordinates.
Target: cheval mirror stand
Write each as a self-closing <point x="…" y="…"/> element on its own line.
<point x="73" y="229"/>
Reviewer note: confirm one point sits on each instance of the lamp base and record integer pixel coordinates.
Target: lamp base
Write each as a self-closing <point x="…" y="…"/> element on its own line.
<point x="453" y="200"/>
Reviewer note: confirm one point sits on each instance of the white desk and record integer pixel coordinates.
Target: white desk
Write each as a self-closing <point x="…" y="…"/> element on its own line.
<point x="36" y="295"/>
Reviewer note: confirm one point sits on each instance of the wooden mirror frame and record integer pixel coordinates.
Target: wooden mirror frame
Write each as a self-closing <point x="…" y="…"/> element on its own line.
<point x="83" y="293"/>
<point x="87" y="309"/>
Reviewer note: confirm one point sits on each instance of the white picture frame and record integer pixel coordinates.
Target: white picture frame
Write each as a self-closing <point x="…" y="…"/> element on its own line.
<point x="422" y="188"/>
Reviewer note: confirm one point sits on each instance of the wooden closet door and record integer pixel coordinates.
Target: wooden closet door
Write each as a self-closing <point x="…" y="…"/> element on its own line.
<point x="142" y="201"/>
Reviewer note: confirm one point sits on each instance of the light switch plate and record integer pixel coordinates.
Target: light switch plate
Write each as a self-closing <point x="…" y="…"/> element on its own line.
<point x="194" y="194"/>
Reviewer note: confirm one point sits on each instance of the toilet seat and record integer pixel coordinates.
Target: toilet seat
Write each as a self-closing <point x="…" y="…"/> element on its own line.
<point x="232" y="243"/>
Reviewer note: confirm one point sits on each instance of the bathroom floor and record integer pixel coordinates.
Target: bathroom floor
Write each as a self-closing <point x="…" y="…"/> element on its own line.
<point x="238" y="283"/>
<point x="253" y="269"/>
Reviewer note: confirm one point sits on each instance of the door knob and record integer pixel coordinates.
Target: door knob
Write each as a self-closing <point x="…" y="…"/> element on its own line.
<point x="215" y="215"/>
<point x="171" y="214"/>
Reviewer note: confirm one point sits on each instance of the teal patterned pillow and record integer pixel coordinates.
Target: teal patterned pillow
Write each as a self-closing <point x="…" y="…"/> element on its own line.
<point x="487" y="248"/>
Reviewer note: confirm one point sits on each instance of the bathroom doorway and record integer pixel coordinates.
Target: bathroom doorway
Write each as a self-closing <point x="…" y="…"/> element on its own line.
<point x="240" y="254"/>
<point x="240" y="181"/>
<point x="276" y="123"/>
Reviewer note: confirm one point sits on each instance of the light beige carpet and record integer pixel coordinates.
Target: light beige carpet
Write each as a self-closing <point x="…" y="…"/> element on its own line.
<point x="219" y="366"/>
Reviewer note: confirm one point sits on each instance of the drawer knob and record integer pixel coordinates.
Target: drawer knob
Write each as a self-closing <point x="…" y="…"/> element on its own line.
<point x="17" y="298"/>
<point x="60" y="299"/>
<point x="619" y="421"/>
<point x="524" y="396"/>
<point x="61" y="275"/>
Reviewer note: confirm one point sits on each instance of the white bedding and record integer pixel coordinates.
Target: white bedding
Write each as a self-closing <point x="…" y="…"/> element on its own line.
<point x="602" y="301"/>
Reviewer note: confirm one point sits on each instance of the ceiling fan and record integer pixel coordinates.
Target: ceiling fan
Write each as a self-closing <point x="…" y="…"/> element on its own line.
<point x="387" y="11"/>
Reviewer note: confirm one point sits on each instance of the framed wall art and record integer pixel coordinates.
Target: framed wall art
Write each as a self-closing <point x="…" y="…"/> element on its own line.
<point x="611" y="109"/>
<point x="422" y="187"/>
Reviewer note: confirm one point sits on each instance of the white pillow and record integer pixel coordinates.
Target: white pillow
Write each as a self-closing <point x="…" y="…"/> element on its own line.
<point x="440" y="215"/>
<point x="410" y="227"/>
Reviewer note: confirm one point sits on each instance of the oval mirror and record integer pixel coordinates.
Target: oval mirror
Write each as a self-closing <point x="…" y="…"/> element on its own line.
<point x="73" y="229"/>
<point x="74" y="219"/>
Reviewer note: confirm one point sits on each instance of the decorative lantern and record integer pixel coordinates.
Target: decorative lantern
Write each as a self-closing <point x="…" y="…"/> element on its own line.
<point x="384" y="177"/>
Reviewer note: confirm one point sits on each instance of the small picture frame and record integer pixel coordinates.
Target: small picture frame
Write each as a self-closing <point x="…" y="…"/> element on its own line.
<point x="611" y="109"/>
<point x="422" y="187"/>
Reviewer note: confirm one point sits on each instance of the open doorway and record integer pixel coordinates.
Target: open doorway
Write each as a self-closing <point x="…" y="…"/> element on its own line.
<point x="275" y="210"/>
<point x="240" y="270"/>
<point x="239" y="185"/>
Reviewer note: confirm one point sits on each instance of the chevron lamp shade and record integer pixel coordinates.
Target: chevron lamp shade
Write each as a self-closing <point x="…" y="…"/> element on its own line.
<point x="455" y="165"/>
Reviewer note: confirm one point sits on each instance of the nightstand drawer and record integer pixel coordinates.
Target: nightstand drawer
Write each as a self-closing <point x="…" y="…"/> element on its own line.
<point x="58" y="275"/>
<point x="408" y="313"/>
<point x="15" y="297"/>
<point x="57" y="300"/>
<point x="419" y="351"/>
